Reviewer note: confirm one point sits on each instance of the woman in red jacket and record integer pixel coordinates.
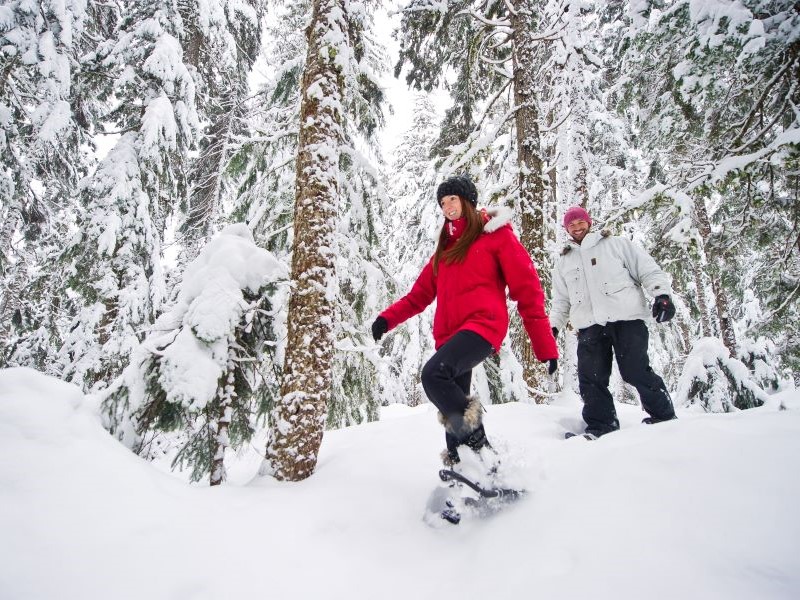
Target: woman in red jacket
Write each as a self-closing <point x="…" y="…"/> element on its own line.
<point x="477" y="257"/>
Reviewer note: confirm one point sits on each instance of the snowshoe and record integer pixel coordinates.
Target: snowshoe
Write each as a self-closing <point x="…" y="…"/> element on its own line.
<point x="586" y="436"/>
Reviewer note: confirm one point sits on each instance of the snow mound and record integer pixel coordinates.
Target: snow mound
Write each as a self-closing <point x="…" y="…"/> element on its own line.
<point x="701" y="507"/>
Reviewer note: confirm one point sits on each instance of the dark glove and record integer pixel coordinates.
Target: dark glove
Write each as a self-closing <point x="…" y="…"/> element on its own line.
<point x="555" y="332"/>
<point x="552" y="366"/>
<point x="663" y="308"/>
<point x="379" y="327"/>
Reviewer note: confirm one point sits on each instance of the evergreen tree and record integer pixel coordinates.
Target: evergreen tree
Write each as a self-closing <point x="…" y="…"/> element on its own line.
<point x="713" y="91"/>
<point x="411" y="225"/>
<point x="299" y="417"/>
<point x="264" y="166"/>
<point x="114" y="261"/>
<point x="206" y="366"/>
<point x="41" y="160"/>
<point x="223" y="40"/>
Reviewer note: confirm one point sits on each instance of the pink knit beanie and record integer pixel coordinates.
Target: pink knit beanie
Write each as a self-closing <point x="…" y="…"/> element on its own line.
<point x="575" y="213"/>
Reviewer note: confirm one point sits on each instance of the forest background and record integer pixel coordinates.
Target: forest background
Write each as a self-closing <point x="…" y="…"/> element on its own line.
<point x="199" y="219"/>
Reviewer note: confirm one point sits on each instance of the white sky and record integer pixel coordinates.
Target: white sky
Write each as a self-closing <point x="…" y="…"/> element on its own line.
<point x="400" y="97"/>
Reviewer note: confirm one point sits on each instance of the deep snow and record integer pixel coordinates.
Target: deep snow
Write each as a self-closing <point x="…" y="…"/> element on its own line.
<point x="703" y="507"/>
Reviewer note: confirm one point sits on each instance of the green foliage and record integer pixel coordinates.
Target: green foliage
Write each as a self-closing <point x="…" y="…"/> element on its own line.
<point x="246" y="387"/>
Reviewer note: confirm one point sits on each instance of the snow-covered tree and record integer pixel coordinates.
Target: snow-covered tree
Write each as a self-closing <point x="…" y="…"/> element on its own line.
<point x="223" y="40"/>
<point x="298" y="419"/>
<point x="712" y="92"/>
<point x="411" y="225"/>
<point x="38" y="136"/>
<point x="114" y="259"/>
<point x="205" y="368"/>
<point x="264" y="171"/>
<point x="42" y="156"/>
<point x="716" y="381"/>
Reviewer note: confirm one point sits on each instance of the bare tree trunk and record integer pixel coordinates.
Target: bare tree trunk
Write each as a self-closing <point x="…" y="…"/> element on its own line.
<point x="298" y="419"/>
<point x="533" y="233"/>
<point x="11" y="220"/>
<point x="720" y="293"/>
<point x="221" y="440"/>
<point x="699" y="284"/>
<point x="206" y="177"/>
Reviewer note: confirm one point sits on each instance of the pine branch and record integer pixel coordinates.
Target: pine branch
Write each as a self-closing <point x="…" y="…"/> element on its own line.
<point x="484" y="20"/>
<point x="774" y="313"/>
<point x="758" y="105"/>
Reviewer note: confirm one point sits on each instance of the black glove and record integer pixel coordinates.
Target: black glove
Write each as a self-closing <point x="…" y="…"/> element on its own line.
<point x="555" y="332"/>
<point x="663" y="308"/>
<point x="379" y="327"/>
<point x="552" y="366"/>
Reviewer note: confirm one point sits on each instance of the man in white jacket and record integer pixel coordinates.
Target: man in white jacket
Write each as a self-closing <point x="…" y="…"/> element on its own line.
<point x="597" y="286"/>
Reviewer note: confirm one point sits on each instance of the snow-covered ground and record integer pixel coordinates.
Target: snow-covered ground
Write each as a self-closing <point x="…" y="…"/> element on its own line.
<point x="703" y="507"/>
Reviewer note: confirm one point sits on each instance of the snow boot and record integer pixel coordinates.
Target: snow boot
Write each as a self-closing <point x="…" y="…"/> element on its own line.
<point x="476" y="440"/>
<point x="654" y="420"/>
<point x="463" y="430"/>
<point x="481" y="463"/>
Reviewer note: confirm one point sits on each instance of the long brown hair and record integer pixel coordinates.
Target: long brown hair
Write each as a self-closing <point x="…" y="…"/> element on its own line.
<point x="458" y="252"/>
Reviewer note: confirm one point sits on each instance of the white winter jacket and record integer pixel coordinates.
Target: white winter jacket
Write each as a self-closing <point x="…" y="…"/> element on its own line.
<point x="601" y="280"/>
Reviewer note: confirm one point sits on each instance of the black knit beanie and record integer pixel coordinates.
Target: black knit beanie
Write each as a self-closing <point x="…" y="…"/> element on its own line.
<point x="461" y="186"/>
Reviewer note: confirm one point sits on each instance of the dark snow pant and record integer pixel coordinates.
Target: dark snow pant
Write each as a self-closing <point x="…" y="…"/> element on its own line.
<point x="628" y="340"/>
<point x="447" y="376"/>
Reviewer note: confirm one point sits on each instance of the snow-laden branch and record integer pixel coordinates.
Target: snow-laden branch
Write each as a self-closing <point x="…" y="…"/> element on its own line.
<point x="558" y="124"/>
<point x="491" y="103"/>
<point x="758" y="105"/>
<point x="484" y="20"/>
<point x="549" y="36"/>
<point x="509" y="34"/>
<point x="511" y="8"/>
<point x="774" y="313"/>
<point x="439" y="6"/>
<point x="720" y="169"/>
<point x="475" y="144"/>
<point x="764" y="130"/>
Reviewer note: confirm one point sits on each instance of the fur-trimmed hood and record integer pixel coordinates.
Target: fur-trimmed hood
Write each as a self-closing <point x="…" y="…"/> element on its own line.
<point x="498" y="217"/>
<point x="604" y="233"/>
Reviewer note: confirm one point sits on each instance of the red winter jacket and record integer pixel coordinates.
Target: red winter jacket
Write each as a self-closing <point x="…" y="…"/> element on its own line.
<point x="472" y="295"/>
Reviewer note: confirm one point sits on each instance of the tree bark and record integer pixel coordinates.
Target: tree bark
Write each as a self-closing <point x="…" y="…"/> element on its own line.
<point x="533" y="232"/>
<point x="298" y="420"/>
<point x="720" y="293"/>
<point x="11" y="275"/>
<point x="702" y="305"/>
<point x="221" y="440"/>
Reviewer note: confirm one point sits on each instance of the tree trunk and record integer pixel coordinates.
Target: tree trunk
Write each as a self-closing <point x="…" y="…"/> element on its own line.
<point x="221" y="440"/>
<point x="298" y="420"/>
<point x="702" y="305"/>
<point x="533" y="232"/>
<point x="12" y="277"/>
<point x="206" y="177"/>
<point x="720" y="293"/>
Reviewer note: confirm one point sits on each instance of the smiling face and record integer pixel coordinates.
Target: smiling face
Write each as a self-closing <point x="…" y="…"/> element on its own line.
<point x="578" y="229"/>
<point x="451" y="207"/>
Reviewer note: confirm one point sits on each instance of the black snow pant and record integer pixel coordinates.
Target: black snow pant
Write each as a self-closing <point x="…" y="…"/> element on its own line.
<point x="447" y="376"/>
<point x="628" y="340"/>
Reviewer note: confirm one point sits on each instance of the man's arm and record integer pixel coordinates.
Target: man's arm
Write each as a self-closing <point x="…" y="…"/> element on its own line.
<point x="644" y="269"/>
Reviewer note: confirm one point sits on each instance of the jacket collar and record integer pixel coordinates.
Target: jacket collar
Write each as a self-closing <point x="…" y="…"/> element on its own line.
<point x="590" y="241"/>
<point x="494" y="218"/>
<point x="455" y="228"/>
<point x="498" y="216"/>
